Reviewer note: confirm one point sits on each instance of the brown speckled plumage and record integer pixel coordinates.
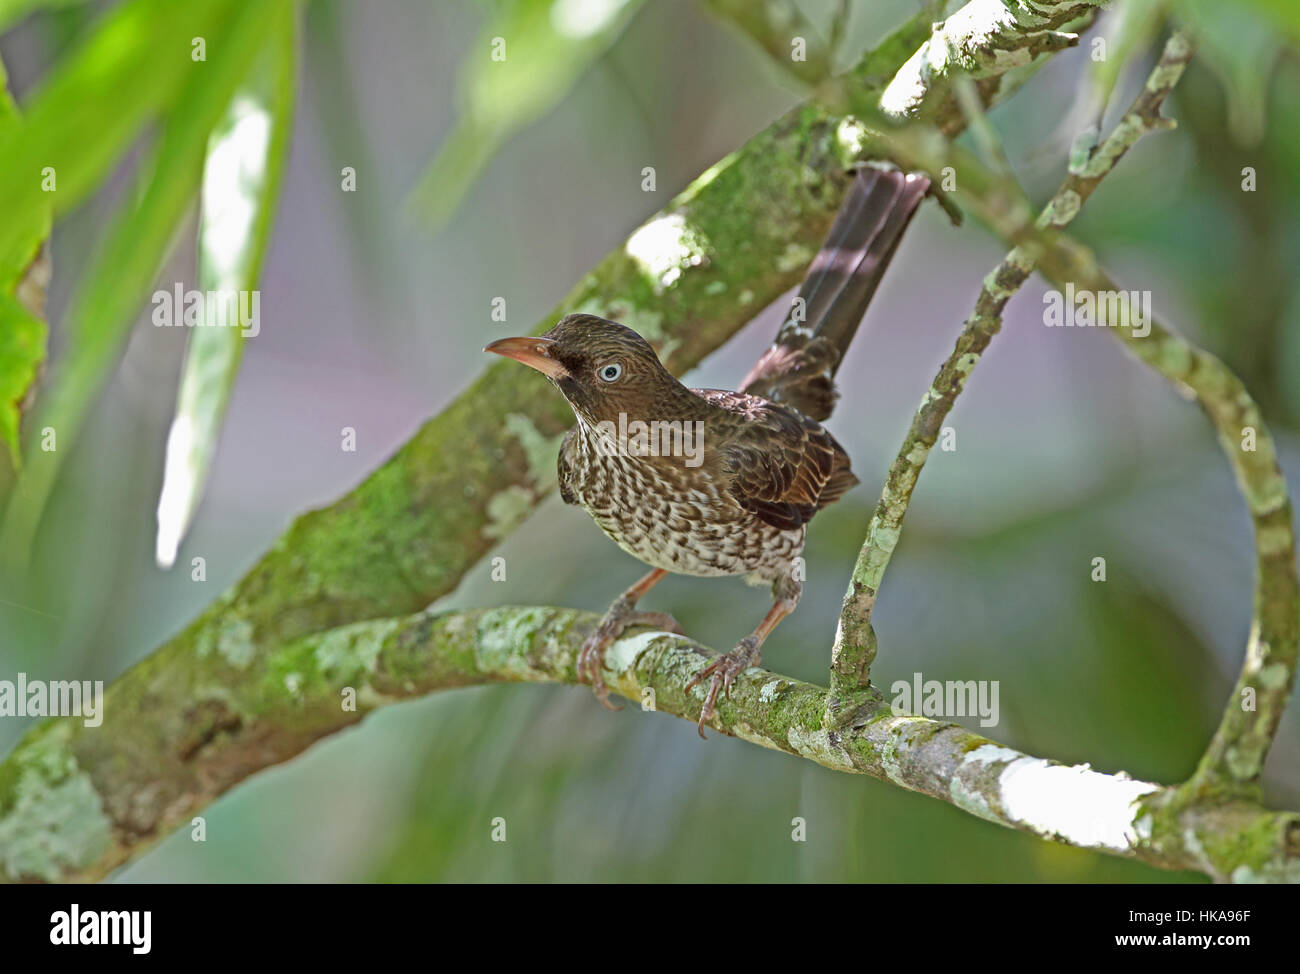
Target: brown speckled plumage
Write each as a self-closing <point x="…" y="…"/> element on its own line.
<point x="742" y="474"/>
<point x="763" y="473"/>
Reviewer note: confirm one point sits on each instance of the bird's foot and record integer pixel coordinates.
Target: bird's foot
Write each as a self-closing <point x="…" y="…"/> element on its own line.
<point x="724" y="671"/>
<point x="620" y="617"/>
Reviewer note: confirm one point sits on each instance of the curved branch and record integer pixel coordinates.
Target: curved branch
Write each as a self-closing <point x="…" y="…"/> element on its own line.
<point x="1235" y="756"/>
<point x="198" y="727"/>
<point x="855" y="642"/>
<point x="984" y="39"/>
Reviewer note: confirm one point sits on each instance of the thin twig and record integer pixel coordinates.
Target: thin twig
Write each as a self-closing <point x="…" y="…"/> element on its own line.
<point x="1236" y="753"/>
<point x="855" y="645"/>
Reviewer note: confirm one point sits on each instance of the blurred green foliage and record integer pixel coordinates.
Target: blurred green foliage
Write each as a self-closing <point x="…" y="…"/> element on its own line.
<point x="242" y="175"/>
<point x="536" y="51"/>
<point x="145" y="61"/>
<point x="22" y="333"/>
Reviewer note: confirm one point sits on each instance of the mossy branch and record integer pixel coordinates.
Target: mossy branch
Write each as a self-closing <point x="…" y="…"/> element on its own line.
<point x="1235" y="756"/>
<point x="201" y="725"/>
<point x="855" y="641"/>
<point x="986" y="40"/>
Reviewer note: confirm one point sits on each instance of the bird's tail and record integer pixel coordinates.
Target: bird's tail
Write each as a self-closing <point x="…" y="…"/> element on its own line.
<point x="799" y="369"/>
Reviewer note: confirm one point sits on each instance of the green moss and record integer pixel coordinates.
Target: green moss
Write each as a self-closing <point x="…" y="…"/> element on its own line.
<point x="1252" y="852"/>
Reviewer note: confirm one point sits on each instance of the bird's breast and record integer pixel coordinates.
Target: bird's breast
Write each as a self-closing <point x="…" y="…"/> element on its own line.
<point x="676" y="517"/>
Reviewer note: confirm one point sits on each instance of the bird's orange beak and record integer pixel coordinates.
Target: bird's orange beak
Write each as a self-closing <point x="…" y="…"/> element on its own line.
<point x="533" y="352"/>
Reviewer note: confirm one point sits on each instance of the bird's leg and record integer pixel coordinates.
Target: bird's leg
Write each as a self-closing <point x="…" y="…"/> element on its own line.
<point x="620" y="616"/>
<point x="728" y="666"/>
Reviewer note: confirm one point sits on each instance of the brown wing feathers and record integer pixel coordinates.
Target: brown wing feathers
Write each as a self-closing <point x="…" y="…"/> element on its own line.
<point x="789" y="467"/>
<point x="783" y="466"/>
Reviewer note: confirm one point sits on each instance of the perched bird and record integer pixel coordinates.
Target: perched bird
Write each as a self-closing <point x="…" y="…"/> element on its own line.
<point x="708" y="482"/>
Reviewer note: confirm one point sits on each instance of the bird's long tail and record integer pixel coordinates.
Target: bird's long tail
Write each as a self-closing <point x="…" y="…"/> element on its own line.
<point x="799" y="368"/>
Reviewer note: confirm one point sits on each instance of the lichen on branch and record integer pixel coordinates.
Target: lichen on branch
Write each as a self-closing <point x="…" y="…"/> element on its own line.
<point x="855" y="642"/>
<point x="78" y="811"/>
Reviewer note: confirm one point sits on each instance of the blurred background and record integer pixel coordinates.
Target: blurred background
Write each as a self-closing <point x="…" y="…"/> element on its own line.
<point x="375" y="306"/>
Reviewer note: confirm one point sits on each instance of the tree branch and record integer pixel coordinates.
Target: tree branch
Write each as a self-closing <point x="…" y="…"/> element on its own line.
<point x="855" y="642"/>
<point x="1234" y="758"/>
<point x="180" y="722"/>
<point x="985" y="39"/>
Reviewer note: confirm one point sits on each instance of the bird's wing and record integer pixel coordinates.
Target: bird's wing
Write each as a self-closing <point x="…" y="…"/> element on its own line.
<point x="564" y="467"/>
<point x="783" y="466"/>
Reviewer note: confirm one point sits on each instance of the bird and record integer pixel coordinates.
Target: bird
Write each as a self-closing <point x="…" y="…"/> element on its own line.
<point x="711" y="482"/>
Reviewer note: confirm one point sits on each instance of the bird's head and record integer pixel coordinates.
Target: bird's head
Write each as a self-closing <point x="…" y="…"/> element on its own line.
<point x="602" y="368"/>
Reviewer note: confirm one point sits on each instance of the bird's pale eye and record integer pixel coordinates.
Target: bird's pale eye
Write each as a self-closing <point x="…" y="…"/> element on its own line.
<point x="610" y="372"/>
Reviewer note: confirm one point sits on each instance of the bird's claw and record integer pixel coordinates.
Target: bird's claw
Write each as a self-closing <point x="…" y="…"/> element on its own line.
<point x="591" y="658"/>
<point x="657" y="620"/>
<point x="723" y="671"/>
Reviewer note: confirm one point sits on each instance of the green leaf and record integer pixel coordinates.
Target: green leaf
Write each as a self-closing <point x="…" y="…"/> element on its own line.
<point x="22" y="332"/>
<point x="85" y="116"/>
<point x="242" y="176"/>
<point x="12" y="11"/>
<point x="22" y="349"/>
<point x="1284" y="13"/>
<point x="134" y="249"/>
<point x="521" y="66"/>
<point x="1130" y="30"/>
<point x="1242" y="47"/>
<point x="28" y="230"/>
